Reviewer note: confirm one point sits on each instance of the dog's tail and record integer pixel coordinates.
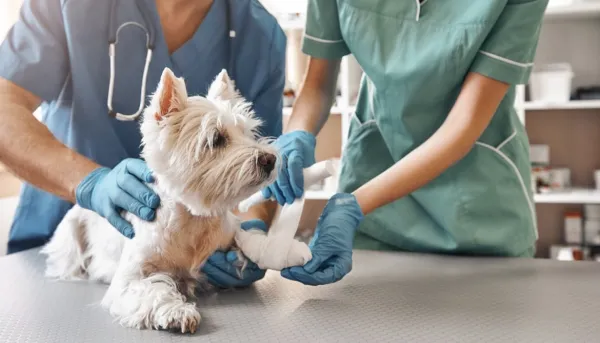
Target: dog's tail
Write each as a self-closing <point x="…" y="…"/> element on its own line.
<point x="66" y="251"/>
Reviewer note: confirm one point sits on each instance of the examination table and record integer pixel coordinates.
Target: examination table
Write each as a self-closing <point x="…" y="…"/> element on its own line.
<point x="388" y="297"/>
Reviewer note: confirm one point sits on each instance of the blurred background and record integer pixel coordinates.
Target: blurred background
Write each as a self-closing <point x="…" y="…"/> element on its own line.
<point x="560" y="108"/>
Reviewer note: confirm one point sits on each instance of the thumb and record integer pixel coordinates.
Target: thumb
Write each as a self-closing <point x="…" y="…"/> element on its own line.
<point x="255" y="224"/>
<point x="123" y="226"/>
<point x="315" y="263"/>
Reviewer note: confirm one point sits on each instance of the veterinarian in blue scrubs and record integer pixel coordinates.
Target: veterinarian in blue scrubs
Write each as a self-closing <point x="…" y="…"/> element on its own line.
<point x="57" y="56"/>
<point x="436" y="160"/>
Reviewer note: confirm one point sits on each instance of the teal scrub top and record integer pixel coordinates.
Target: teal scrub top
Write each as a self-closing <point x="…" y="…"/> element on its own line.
<point x="415" y="56"/>
<point x="58" y="50"/>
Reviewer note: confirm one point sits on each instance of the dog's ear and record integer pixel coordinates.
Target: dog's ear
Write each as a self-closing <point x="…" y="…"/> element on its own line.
<point x="171" y="95"/>
<point x="222" y="88"/>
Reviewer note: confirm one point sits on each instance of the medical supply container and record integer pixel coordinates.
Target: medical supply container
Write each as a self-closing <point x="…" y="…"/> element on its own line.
<point x="573" y="227"/>
<point x="551" y="83"/>
<point x="539" y="154"/>
<point x="540" y="177"/>
<point x="592" y="212"/>
<point x="592" y="232"/>
<point x="560" y="178"/>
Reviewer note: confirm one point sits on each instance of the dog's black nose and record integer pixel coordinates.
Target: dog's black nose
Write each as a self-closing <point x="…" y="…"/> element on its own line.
<point x="267" y="162"/>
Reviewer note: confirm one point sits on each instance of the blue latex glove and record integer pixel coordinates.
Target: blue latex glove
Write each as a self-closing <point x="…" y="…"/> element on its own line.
<point x="108" y="191"/>
<point x="297" y="149"/>
<point x="331" y="246"/>
<point x="220" y="268"/>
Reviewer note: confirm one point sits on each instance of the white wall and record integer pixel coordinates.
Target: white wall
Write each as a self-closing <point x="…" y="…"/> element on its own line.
<point x="9" y="11"/>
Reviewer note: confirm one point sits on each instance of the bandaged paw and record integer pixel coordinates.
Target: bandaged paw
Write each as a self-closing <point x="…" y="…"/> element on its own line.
<point x="274" y="252"/>
<point x="278" y="249"/>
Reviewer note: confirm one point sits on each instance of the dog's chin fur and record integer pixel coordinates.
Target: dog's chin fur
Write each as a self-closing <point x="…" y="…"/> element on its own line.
<point x="205" y="158"/>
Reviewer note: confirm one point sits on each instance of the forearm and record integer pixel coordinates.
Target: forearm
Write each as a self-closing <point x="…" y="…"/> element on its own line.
<point x="466" y="122"/>
<point x="30" y="151"/>
<point x="313" y="105"/>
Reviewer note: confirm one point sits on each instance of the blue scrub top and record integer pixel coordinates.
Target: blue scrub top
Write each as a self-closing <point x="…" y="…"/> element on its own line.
<point x="58" y="50"/>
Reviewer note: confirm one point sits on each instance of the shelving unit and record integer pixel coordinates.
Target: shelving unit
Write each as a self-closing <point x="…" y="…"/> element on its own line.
<point x="570" y="34"/>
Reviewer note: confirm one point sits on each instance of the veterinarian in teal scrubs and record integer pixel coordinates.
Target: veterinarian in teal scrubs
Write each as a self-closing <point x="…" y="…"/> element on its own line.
<point x="57" y="56"/>
<point x="437" y="159"/>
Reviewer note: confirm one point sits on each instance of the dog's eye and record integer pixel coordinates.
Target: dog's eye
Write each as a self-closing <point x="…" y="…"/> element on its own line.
<point x="219" y="140"/>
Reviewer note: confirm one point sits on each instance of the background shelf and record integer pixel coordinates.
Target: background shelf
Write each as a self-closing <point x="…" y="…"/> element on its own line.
<point x="575" y="196"/>
<point x="571" y="105"/>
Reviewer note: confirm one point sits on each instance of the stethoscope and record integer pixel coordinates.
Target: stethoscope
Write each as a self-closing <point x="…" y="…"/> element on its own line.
<point x="150" y="40"/>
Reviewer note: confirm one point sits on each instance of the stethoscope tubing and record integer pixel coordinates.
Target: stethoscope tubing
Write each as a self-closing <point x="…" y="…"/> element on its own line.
<point x="150" y="43"/>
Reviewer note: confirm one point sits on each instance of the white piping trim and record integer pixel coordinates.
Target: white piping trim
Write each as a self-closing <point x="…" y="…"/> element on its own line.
<point x="361" y="124"/>
<point x="523" y="187"/>
<point x="506" y="60"/>
<point x="321" y="40"/>
<point x="514" y="134"/>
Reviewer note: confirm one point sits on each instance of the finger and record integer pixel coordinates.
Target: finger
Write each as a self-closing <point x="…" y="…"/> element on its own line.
<point x="278" y="194"/>
<point x="254" y="224"/>
<point x="300" y="275"/>
<point x="315" y="263"/>
<point x="296" y="173"/>
<point x="219" y="261"/>
<point x="123" y="226"/>
<point x="267" y="193"/>
<point x="216" y="275"/>
<point x="138" y="190"/>
<point x="218" y="278"/>
<point x="326" y="276"/>
<point x="334" y="269"/>
<point x="139" y="169"/>
<point x="283" y="182"/>
<point x="129" y="204"/>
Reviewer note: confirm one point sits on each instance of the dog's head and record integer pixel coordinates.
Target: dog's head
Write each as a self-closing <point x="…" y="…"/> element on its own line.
<point x="205" y="151"/>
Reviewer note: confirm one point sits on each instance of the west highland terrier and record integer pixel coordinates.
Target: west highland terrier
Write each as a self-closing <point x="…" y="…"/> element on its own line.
<point x="206" y="158"/>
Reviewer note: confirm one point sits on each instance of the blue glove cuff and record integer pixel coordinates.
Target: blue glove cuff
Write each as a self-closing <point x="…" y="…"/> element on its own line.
<point x="254" y="224"/>
<point x="83" y="192"/>
<point x="349" y="202"/>
<point x="305" y="137"/>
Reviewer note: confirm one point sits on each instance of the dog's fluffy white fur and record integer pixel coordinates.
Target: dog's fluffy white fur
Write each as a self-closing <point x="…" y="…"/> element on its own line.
<point x="206" y="159"/>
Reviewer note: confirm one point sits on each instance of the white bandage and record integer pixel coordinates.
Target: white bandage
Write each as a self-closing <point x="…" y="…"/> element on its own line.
<point x="278" y="249"/>
<point x="313" y="174"/>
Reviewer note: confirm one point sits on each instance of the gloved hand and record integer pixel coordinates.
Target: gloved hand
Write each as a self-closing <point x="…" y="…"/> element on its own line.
<point x="297" y="149"/>
<point x="107" y="192"/>
<point x="331" y="246"/>
<point x="220" y="268"/>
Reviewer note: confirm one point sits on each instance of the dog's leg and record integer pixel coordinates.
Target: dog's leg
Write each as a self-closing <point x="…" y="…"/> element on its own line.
<point x="145" y="302"/>
<point x="66" y="250"/>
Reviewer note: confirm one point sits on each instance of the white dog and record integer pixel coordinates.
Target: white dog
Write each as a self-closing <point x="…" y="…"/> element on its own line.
<point x="206" y="159"/>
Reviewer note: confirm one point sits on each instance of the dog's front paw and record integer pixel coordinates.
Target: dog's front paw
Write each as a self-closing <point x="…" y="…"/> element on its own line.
<point x="299" y="254"/>
<point x="183" y="318"/>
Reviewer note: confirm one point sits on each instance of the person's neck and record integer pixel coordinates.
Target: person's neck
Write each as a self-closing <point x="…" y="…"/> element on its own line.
<point x="180" y="19"/>
<point x="174" y="7"/>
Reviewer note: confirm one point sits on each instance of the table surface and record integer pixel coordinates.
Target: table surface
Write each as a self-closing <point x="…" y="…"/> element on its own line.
<point x="387" y="297"/>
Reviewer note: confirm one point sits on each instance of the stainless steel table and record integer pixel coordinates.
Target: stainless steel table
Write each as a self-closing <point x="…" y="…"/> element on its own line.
<point x="387" y="297"/>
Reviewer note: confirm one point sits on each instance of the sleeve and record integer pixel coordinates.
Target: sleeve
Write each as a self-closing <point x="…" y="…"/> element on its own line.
<point x="268" y="103"/>
<point x="34" y="53"/>
<point x="509" y="49"/>
<point x="322" y="36"/>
